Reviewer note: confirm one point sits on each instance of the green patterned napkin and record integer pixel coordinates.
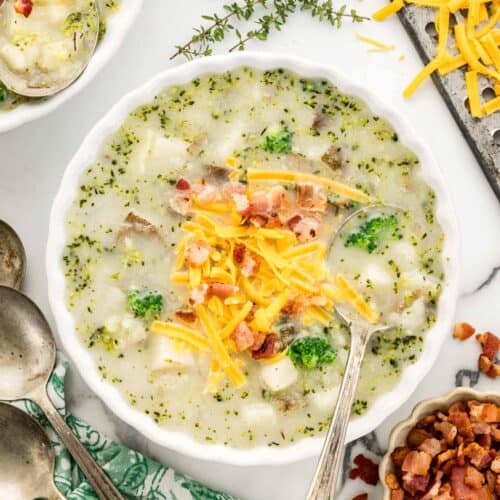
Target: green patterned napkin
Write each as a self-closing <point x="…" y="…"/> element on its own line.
<point x="136" y="476"/>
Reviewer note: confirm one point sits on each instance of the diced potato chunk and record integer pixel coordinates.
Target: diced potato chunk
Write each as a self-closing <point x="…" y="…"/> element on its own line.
<point x="324" y="401"/>
<point x="53" y="55"/>
<point x="404" y="255"/>
<point x="126" y="330"/>
<point x="412" y="317"/>
<point x="18" y="59"/>
<point x="280" y="375"/>
<point x="166" y="151"/>
<point x="258" y="414"/>
<point x="377" y="277"/>
<point x="164" y="356"/>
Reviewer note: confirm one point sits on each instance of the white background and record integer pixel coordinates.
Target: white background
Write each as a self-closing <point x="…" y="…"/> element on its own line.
<point x="33" y="158"/>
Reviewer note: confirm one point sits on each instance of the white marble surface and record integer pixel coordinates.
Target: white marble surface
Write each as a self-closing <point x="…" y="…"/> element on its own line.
<point x="33" y="158"/>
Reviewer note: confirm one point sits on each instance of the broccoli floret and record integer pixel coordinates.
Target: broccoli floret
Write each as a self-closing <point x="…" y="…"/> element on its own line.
<point x="372" y="232"/>
<point x="279" y="142"/>
<point x="145" y="303"/>
<point x="312" y="352"/>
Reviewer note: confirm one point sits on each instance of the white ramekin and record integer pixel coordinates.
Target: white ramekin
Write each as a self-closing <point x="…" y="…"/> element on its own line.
<point x="116" y="29"/>
<point x="82" y="358"/>
<point x="399" y="433"/>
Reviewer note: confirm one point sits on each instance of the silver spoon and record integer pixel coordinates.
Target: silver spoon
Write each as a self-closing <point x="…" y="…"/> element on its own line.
<point x="329" y="467"/>
<point x="84" y="40"/>
<point x="26" y="457"/>
<point x="27" y="358"/>
<point x="12" y="257"/>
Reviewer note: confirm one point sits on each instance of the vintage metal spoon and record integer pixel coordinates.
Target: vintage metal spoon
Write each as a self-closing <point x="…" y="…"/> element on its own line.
<point x="329" y="467"/>
<point x="27" y="358"/>
<point x="85" y="38"/>
<point x="26" y="457"/>
<point x="12" y="257"/>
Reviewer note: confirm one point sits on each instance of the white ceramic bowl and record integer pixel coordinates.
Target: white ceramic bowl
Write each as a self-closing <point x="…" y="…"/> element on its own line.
<point x="82" y="358"/>
<point x="399" y="433"/>
<point x="117" y="27"/>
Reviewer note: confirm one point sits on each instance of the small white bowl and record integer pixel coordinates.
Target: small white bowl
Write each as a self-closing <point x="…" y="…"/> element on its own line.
<point x="400" y="432"/>
<point x="82" y="358"/>
<point x="117" y="28"/>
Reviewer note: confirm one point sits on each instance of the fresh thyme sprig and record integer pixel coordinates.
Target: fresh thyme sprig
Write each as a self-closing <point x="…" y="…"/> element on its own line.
<point x="278" y="12"/>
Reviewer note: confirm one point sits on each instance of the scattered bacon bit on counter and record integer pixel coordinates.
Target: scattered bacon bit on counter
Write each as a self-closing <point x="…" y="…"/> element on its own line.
<point x="450" y="455"/>
<point x="363" y="496"/>
<point x="365" y="469"/>
<point x="490" y="345"/>
<point x="463" y="331"/>
<point x="23" y="7"/>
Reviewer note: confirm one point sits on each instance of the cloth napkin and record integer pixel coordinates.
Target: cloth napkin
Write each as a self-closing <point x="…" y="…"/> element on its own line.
<point x="136" y="476"/>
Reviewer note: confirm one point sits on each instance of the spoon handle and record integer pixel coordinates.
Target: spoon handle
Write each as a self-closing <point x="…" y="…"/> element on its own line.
<point x="329" y="467"/>
<point x="102" y="485"/>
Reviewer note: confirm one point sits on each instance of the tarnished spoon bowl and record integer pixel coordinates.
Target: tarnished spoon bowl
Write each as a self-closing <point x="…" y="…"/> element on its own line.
<point x="27" y="357"/>
<point x="26" y="458"/>
<point x="85" y="39"/>
<point x="12" y="257"/>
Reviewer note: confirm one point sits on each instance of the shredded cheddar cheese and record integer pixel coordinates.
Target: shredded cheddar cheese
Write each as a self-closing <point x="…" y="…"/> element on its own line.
<point x="379" y="46"/>
<point x="475" y="43"/>
<point x="289" y="176"/>
<point x="358" y="302"/>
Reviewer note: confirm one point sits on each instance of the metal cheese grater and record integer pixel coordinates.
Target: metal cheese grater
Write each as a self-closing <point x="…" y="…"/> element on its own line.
<point x="482" y="135"/>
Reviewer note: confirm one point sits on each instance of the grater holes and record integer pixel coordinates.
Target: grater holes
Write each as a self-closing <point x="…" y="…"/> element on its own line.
<point x="430" y="29"/>
<point x="488" y="93"/>
<point x="496" y="137"/>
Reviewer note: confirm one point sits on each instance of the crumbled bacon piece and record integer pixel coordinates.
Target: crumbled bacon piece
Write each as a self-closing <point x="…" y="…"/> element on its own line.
<point x="459" y="489"/>
<point x="473" y="478"/>
<point x="305" y="228"/>
<point x="392" y="481"/>
<point x="414" y="483"/>
<point x="266" y="350"/>
<point x="258" y="220"/>
<point x="239" y="253"/>
<point x="398" y="494"/>
<point x="490" y="344"/>
<point x="416" y="437"/>
<point x="484" y="412"/>
<point x="182" y="185"/>
<point x="23" y="7"/>
<point x="432" y="446"/>
<point x="477" y="455"/>
<point x="186" y="316"/>
<point x="197" y="252"/>
<point x="461" y="421"/>
<point x="203" y="292"/>
<point x="311" y="197"/>
<point x="447" y="430"/>
<point x="246" y="338"/>
<point x="433" y="491"/>
<point x="463" y="331"/>
<point x="294" y="306"/>
<point x="365" y="469"/>
<point x="363" y="496"/>
<point x="417" y="462"/>
<point x="136" y="224"/>
<point x="398" y="455"/>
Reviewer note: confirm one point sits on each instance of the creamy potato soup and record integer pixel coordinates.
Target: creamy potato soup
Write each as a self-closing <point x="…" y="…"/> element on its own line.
<point x="198" y="263"/>
<point x="47" y="41"/>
